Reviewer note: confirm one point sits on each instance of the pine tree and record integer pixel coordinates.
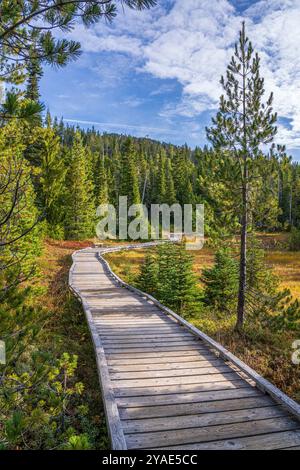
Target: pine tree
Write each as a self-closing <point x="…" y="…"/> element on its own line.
<point x="19" y="231"/>
<point x="129" y="183"/>
<point x="79" y="201"/>
<point x="161" y="186"/>
<point x="260" y="277"/>
<point x="148" y="277"/>
<point x="50" y="178"/>
<point x="170" y="196"/>
<point x="221" y="282"/>
<point x="166" y="274"/>
<point x="182" y="171"/>
<point x="263" y="202"/>
<point x="176" y="282"/>
<point x="34" y="75"/>
<point x="48" y="121"/>
<point x="115" y="173"/>
<point x="101" y="181"/>
<point x="186" y="291"/>
<point x="242" y="124"/>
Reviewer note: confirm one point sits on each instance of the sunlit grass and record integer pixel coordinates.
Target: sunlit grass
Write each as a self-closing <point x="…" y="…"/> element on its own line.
<point x="286" y="264"/>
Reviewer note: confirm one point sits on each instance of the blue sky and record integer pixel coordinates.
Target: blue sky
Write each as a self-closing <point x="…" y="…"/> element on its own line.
<point x="156" y="73"/>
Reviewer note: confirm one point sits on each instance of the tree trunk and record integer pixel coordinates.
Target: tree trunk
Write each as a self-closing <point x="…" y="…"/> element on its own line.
<point x="244" y="221"/>
<point x="291" y="205"/>
<point x="243" y="260"/>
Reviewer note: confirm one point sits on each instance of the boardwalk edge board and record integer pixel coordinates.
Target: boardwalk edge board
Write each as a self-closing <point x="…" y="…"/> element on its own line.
<point x="263" y="384"/>
<point x="113" y="420"/>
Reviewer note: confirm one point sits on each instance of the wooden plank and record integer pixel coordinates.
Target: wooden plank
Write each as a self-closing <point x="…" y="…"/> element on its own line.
<point x="169" y="373"/>
<point x="165" y="381"/>
<point x="125" y="301"/>
<point x="159" y="319"/>
<point x="105" y="296"/>
<point x="154" y="340"/>
<point x="101" y="303"/>
<point x="273" y="441"/>
<point x="126" y="310"/>
<point x="153" y="349"/>
<point x="131" y="316"/>
<point x="127" y="337"/>
<point x="121" y="330"/>
<point x="157" y="361"/>
<point x="172" y="393"/>
<point x="156" y="335"/>
<point x="101" y="288"/>
<point x="101" y="323"/>
<point x="210" y="433"/>
<point x="165" y="366"/>
<point x="202" y="420"/>
<point x="135" y="322"/>
<point x="156" y="354"/>
<point x="222" y="400"/>
<point x="148" y="345"/>
<point x="128" y="316"/>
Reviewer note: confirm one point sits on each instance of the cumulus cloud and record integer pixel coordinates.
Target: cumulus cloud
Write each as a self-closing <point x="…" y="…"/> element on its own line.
<point x="93" y="42"/>
<point x="191" y="41"/>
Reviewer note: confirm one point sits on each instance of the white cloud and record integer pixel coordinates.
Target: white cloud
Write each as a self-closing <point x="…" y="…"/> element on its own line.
<point x="193" y="47"/>
<point x="93" y="42"/>
<point x="192" y="42"/>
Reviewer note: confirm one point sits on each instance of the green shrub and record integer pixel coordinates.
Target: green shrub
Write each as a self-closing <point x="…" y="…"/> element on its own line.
<point x="294" y="239"/>
<point x="168" y="275"/>
<point x="221" y="282"/>
<point x="41" y="398"/>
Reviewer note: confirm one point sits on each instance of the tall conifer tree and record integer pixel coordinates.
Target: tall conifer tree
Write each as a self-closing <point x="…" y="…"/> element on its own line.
<point x="50" y="177"/>
<point x="101" y="181"/>
<point x="129" y="182"/>
<point x="80" y="207"/>
<point x="243" y="123"/>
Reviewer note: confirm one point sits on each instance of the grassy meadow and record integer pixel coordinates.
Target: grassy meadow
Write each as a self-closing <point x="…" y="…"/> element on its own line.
<point x="286" y="264"/>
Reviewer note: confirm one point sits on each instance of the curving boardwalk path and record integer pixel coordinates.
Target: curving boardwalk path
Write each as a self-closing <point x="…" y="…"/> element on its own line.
<point x="165" y="385"/>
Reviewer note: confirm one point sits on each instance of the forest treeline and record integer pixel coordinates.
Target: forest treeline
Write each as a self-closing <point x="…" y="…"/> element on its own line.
<point x="75" y="170"/>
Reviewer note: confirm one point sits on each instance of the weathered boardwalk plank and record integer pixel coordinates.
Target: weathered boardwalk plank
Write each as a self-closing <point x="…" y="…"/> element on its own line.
<point x="165" y="385"/>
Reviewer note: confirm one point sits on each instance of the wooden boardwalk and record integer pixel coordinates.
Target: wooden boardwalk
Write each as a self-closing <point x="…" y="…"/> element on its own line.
<point x="166" y="387"/>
